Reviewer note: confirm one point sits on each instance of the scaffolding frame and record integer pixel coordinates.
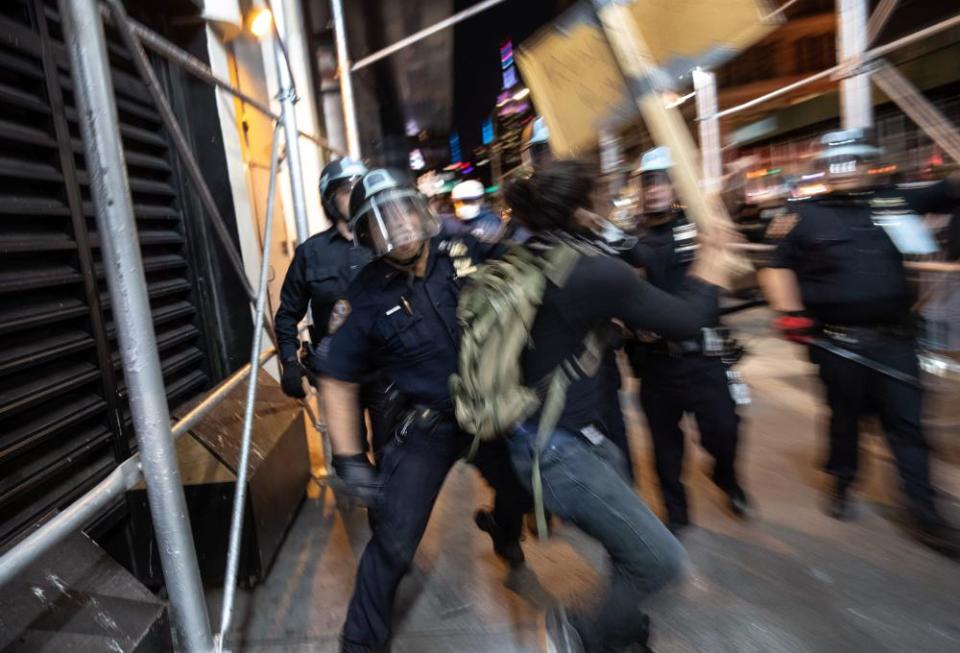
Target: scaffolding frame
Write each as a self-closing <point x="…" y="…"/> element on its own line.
<point x="156" y="463"/>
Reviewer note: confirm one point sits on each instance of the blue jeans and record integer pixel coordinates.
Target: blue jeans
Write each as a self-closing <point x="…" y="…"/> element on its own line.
<point x="586" y="485"/>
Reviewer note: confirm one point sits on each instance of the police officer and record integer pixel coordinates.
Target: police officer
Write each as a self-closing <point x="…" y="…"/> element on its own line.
<point x="838" y="278"/>
<point x="471" y="215"/>
<point x="322" y="268"/>
<point x="688" y="376"/>
<point x="399" y="315"/>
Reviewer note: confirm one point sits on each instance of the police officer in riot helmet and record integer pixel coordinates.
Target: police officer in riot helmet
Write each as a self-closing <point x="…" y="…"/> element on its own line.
<point x="399" y="316"/>
<point x="321" y="269"/>
<point x="838" y="279"/>
<point x="682" y="376"/>
<point x="471" y="215"/>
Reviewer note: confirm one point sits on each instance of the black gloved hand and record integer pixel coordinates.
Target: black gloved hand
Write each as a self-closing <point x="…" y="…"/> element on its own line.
<point x="360" y="476"/>
<point x="291" y="380"/>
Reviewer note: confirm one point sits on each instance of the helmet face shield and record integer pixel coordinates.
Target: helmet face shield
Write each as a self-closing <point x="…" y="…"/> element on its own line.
<point x="392" y="220"/>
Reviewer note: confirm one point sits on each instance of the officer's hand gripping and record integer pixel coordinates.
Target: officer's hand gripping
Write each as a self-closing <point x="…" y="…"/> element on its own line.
<point x="292" y="380"/>
<point x="359" y="475"/>
<point x="796" y="326"/>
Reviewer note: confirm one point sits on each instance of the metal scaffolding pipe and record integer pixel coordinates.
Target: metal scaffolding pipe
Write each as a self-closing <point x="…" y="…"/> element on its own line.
<point x="149" y="77"/>
<point x="202" y="71"/>
<point x="110" y="190"/>
<point x="73" y="518"/>
<point x="705" y="85"/>
<point x="287" y="96"/>
<point x="217" y="395"/>
<point x="424" y="33"/>
<point x="879" y="18"/>
<point x="923" y="112"/>
<point x="346" y="80"/>
<point x="240" y="489"/>
<point x="873" y="53"/>
<point x="856" y="101"/>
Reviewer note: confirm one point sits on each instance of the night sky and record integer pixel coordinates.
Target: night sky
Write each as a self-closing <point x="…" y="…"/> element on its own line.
<point x="476" y="52"/>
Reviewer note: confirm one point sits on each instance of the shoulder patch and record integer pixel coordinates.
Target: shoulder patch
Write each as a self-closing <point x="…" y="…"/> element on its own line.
<point x="781" y="225"/>
<point x="339" y="315"/>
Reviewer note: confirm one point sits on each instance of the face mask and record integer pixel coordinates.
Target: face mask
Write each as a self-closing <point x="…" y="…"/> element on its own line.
<point x="467" y="211"/>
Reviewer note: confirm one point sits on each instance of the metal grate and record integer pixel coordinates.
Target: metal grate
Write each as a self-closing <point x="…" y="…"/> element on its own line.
<point x="64" y="422"/>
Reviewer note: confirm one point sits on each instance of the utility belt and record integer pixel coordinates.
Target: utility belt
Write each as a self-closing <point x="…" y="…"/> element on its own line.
<point x="715" y="342"/>
<point x="866" y="333"/>
<point x="426" y="421"/>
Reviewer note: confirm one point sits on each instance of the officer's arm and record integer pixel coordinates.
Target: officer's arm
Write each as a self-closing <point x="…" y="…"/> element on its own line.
<point x="779" y="281"/>
<point x="941" y="197"/>
<point x="781" y="288"/>
<point x="341" y="406"/>
<point x="294" y="298"/>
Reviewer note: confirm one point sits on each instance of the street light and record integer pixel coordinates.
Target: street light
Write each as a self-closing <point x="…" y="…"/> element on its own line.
<point x="261" y="22"/>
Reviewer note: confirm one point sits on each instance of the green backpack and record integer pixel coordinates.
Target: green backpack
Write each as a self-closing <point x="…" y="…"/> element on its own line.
<point x="496" y="311"/>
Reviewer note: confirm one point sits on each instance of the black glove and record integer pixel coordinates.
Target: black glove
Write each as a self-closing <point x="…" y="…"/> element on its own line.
<point x="360" y="476"/>
<point x="292" y="380"/>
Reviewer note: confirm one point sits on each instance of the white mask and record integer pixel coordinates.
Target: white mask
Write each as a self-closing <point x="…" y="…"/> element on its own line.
<point x="467" y="210"/>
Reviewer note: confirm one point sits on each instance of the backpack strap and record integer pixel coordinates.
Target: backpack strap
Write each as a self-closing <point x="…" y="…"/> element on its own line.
<point x="584" y="366"/>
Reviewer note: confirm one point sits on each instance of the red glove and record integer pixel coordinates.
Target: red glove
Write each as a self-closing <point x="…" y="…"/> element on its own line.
<point x="796" y="327"/>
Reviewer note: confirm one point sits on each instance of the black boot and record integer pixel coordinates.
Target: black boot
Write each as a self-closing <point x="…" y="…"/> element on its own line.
<point x="347" y="646"/>
<point x="839" y="501"/>
<point x="677" y="521"/>
<point x="640" y="644"/>
<point x="507" y="549"/>
<point x="931" y="529"/>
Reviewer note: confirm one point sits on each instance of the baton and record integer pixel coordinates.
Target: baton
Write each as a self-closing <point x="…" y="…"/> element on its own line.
<point x="876" y="366"/>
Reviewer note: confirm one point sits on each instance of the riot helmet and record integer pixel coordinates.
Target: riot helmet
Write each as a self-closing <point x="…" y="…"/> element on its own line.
<point x="389" y="216"/>
<point x="659" y="198"/>
<point x="336" y="182"/>
<point x="536" y="143"/>
<point x="467" y="199"/>
<point x="850" y="161"/>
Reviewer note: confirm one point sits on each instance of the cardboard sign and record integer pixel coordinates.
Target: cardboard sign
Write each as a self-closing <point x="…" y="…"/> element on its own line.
<point x="578" y="85"/>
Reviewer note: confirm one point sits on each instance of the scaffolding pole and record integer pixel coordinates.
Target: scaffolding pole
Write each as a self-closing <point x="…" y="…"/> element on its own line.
<point x="346" y="80"/>
<point x="855" y="99"/>
<point x="110" y="191"/>
<point x="240" y="488"/>
<point x="287" y="95"/>
<point x="705" y="86"/>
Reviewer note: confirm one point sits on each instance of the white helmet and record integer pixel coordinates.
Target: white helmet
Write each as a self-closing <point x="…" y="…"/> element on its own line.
<point x="467" y="191"/>
<point x="658" y="159"/>
<point x="467" y="199"/>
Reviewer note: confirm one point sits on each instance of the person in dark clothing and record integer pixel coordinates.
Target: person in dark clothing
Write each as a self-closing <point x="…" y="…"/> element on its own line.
<point x="399" y="316"/>
<point x="838" y="275"/>
<point x="471" y="215"/>
<point x="686" y="376"/>
<point x="322" y="268"/>
<point x="583" y="476"/>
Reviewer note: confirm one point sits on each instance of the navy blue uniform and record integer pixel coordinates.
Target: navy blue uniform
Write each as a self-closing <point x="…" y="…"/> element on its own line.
<point x="406" y="327"/>
<point x="486" y="226"/>
<point x="322" y="268"/>
<point x="852" y="281"/>
<point x="678" y="377"/>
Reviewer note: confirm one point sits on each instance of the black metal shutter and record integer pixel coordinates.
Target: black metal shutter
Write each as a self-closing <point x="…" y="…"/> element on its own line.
<point x="64" y="420"/>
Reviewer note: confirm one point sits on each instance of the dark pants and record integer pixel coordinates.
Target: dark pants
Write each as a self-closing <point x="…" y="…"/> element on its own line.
<point x="611" y="414"/>
<point x="854" y="390"/>
<point x="413" y="472"/>
<point x="672" y="386"/>
<point x="586" y="485"/>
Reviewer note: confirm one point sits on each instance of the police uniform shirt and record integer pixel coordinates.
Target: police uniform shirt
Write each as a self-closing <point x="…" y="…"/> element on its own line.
<point x="486" y="226"/>
<point x="322" y="268"/>
<point x="849" y="270"/>
<point x="402" y="325"/>
<point x="666" y="251"/>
